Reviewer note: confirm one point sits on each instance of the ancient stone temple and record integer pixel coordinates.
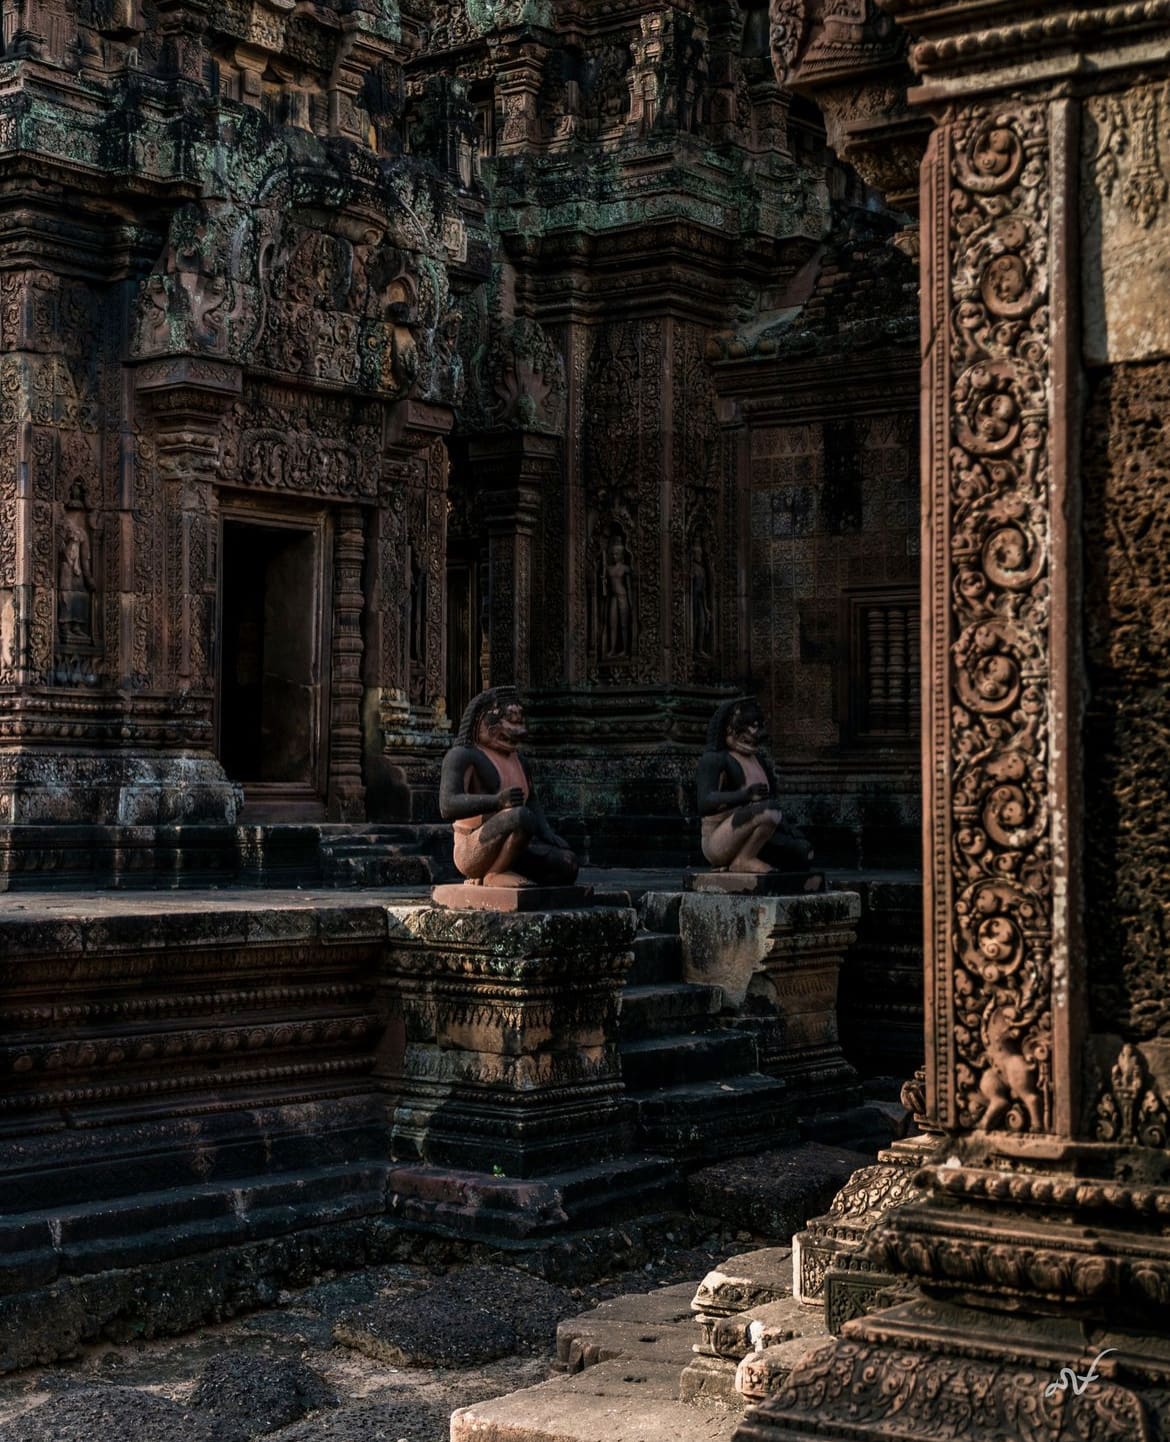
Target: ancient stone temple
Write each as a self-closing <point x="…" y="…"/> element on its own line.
<point x="360" y="355"/>
<point x="229" y="353"/>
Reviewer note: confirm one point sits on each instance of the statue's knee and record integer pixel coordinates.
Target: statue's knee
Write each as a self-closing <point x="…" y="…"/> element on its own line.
<point x="522" y="820"/>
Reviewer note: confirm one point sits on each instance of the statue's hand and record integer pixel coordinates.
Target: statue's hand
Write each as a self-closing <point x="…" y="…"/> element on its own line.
<point x="758" y="791"/>
<point x="509" y="797"/>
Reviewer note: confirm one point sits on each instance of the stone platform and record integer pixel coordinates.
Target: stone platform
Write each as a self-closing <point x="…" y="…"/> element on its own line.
<point x="748" y="883"/>
<point x="241" y="1085"/>
<point x="200" y="856"/>
<point x="257" y="1083"/>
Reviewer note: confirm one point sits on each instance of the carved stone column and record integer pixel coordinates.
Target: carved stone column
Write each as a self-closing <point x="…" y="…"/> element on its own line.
<point x="514" y="468"/>
<point x="1040" y="1241"/>
<point x="345" y="797"/>
<point x="405" y="720"/>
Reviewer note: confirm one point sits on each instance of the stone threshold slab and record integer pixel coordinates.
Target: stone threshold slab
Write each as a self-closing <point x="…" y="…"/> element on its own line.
<point x="630" y="1399"/>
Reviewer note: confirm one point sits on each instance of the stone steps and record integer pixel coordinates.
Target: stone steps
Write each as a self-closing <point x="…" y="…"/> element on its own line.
<point x="704" y="1120"/>
<point x="660" y="1008"/>
<point x="38" y="1247"/>
<point x="376" y="856"/>
<point x="621" y="1401"/>
<point x="675" y="1365"/>
<point x="692" y="1084"/>
<point x="667" y="1061"/>
<point x="657" y="959"/>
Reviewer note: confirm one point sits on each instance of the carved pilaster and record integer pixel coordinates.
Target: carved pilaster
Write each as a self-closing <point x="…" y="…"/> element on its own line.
<point x="188" y="398"/>
<point x="345" y="799"/>
<point x="514" y="469"/>
<point x="518" y="78"/>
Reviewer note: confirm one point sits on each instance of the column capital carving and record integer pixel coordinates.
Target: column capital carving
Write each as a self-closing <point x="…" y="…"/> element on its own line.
<point x="849" y="58"/>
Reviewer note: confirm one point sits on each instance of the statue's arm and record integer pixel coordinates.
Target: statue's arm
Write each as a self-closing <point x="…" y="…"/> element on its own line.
<point x="711" y="800"/>
<point x="455" y="804"/>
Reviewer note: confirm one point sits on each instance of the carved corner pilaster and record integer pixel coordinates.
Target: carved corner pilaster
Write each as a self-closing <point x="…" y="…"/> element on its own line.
<point x="514" y="469"/>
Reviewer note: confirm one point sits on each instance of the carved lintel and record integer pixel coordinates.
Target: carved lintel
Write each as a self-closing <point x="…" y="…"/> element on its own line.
<point x="416" y="423"/>
<point x="196" y="373"/>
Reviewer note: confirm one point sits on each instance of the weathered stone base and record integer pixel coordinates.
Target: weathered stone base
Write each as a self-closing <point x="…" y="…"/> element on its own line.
<point x="709" y="1379"/>
<point x="776" y="960"/>
<point x="186" y="1077"/>
<point x="61" y="788"/>
<point x="498" y="1209"/>
<point x="505" y="1026"/>
<point x="923" y="1366"/>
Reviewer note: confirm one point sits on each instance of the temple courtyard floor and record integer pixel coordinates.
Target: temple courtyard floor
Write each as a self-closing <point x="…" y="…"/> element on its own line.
<point x="598" y="1333"/>
<point x="390" y="1353"/>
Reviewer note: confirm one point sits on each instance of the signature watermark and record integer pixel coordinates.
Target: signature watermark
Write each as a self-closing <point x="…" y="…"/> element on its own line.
<point x="1078" y="1381"/>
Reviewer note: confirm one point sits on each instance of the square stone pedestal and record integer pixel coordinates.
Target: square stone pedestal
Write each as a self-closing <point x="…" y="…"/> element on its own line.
<point x="462" y="896"/>
<point x="776" y="960"/>
<point x="502" y="1056"/>
<point x="748" y="883"/>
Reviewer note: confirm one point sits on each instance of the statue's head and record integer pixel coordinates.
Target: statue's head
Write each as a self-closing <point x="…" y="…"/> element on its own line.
<point x="495" y="718"/>
<point x="738" y="726"/>
<point x="617" y="550"/>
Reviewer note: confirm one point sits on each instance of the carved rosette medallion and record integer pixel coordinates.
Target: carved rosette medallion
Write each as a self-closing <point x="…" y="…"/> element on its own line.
<point x="992" y="837"/>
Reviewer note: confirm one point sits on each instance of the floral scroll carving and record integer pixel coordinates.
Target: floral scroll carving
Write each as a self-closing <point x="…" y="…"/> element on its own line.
<point x="1000" y="853"/>
<point x="942" y="1396"/>
<point x="787" y="21"/>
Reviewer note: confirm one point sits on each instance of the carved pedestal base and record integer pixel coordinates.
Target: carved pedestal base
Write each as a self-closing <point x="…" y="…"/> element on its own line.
<point x="510" y="898"/>
<point x="856" y="1210"/>
<point x="746" y="883"/>
<point x="776" y="960"/>
<point x="1023" y="1257"/>
<point x="925" y="1371"/>
<point x="503" y="1051"/>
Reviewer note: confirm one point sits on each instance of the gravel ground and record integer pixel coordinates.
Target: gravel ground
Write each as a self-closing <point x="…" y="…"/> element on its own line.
<point x="381" y="1355"/>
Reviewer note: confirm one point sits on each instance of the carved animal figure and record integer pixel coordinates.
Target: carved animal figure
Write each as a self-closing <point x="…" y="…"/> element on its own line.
<point x="1010" y="1076"/>
<point x="502" y="837"/>
<point x="735" y="793"/>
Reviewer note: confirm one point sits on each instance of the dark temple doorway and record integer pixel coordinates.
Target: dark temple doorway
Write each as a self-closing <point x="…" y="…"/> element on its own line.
<point x="270" y="687"/>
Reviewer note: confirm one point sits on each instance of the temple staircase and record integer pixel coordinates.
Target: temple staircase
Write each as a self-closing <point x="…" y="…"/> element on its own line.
<point x="693" y="1084"/>
<point x="383" y="855"/>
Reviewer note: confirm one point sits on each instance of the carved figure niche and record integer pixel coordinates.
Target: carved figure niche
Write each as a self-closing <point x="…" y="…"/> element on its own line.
<point x="700" y="614"/>
<point x="77" y="570"/>
<point x="616" y="590"/>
